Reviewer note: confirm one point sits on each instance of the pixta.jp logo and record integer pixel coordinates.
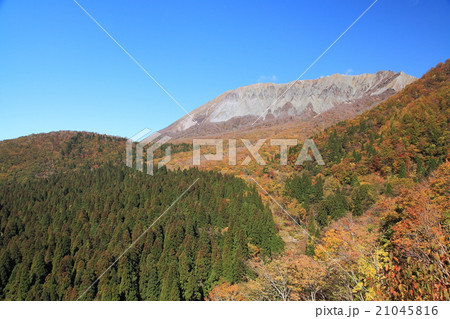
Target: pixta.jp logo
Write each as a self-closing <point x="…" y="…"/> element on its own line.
<point x="142" y="139"/>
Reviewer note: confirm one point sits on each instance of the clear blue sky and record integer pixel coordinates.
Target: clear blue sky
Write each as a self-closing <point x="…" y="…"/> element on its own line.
<point x="59" y="71"/>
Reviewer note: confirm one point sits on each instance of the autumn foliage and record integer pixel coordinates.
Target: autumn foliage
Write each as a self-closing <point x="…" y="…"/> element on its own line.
<point x="419" y="244"/>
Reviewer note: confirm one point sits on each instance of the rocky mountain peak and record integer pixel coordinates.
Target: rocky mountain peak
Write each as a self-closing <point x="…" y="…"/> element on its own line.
<point x="295" y="100"/>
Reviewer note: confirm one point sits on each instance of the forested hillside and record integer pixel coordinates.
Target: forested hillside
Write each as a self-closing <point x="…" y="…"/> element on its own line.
<point x="58" y="234"/>
<point x="373" y="223"/>
<point x="397" y="143"/>
<point x="41" y="155"/>
<point x="378" y="211"/>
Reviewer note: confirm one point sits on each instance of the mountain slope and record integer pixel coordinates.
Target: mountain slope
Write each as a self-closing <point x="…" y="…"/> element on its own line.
<point x="41" y="155"/>
<point x="58" y="234"/>
<point x="299" y="100"/>
<point x="410" y="129"/>
<point x="377" y="214"/>
<point x="382" y="200"/>
<point x="393" y="145"/>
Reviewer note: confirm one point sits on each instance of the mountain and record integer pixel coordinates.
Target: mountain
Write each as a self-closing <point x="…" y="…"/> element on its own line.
<point x="281" y="103"/>
<point x="45" y="154"/>
<point x="377" y="213"/>
<point x="379" y="208"/>
<point x="42" y="155"/>
<point x="384" y="191"/>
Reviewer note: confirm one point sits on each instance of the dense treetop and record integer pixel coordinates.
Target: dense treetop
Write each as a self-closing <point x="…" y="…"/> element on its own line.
<point x="60" y="233"/>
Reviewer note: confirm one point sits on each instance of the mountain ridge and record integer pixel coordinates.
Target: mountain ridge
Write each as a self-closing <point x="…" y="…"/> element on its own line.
<point x="293" y="101"/>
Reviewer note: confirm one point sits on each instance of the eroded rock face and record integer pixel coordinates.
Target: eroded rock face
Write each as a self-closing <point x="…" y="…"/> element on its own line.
<point x="296" y="100"/>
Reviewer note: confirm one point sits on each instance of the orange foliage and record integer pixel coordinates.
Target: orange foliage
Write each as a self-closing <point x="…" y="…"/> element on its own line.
<point x="419" y="266"/>
<point x="225" y="292"/>
<point x="293" y="276"/>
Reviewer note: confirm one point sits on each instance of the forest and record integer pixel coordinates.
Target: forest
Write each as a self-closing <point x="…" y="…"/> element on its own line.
<point x="60" y="233"/>
<point x="374" y="222"/>
<point x="378" y="213"/>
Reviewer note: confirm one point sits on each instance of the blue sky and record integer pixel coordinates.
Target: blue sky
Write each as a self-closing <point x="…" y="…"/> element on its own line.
<point x="59" y="71"/>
